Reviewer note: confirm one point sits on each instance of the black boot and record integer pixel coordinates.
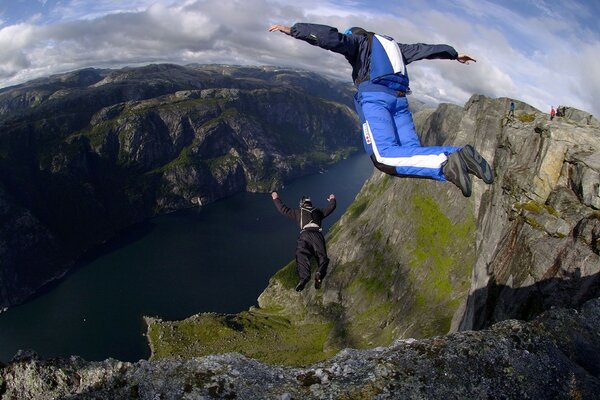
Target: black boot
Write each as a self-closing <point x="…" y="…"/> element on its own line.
<point x="300" y="286"/>
<point x="455" y="170"/>
<point x="318" y="280"/>
<point x="476" y="164"/>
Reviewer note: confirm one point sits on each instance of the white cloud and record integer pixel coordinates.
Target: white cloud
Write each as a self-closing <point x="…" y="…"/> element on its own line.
<point x="537" y="58"/>
<point x="14" y="42"/>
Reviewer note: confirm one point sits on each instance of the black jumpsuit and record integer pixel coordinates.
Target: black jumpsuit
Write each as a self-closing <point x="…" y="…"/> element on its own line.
<point x="310" y="241"/>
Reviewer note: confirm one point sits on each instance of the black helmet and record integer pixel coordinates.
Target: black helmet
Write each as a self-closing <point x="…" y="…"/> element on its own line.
<point x="355" y="30"/>
<point x="305" y="201"/>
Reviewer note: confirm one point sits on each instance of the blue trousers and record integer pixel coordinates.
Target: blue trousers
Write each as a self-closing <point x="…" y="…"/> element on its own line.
<point x="390" y="138"/>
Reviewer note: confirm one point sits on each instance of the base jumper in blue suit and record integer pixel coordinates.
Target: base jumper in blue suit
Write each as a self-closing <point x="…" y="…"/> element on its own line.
<point x="389" y="135"/>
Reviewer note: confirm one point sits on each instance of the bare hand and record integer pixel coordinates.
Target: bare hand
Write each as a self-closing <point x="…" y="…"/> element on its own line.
<point x="464" y="59"/>
<point x="281" y="28"/>
<point x="274" y="195"/>
<point x="331" y="197"/>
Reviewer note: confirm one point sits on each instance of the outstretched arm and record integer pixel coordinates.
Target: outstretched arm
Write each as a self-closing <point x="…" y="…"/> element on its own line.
<point x="330" y="207"/>
<point x="282" y="208"/>
<point x="323" y="36"/>
<point x="420" y="51"/>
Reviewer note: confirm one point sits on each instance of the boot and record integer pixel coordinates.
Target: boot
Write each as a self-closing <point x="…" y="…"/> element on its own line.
<point x="476" y="164"/>
<point x="455" y="170"/>
<point x="300" y="286"/>
<point x="318" y="280"/>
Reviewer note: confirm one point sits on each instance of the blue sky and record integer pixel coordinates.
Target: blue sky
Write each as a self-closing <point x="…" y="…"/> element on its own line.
<point x="541" y="52"/>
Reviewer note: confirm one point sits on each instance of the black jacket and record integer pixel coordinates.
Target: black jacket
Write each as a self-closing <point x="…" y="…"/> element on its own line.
<point x="317" y="215"/>
<point x="357" y="50"/>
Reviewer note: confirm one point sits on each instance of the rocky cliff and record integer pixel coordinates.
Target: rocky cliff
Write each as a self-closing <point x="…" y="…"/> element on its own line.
<point x="413" y="258"/>
<point x="539" y="227"/>
<point x="85" y="154"/>
<point x="411" y="261"/>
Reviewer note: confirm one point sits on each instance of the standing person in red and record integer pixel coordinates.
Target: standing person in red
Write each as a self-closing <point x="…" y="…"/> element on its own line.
<point x="311" y="242"/>
<point x="552" y="113"/>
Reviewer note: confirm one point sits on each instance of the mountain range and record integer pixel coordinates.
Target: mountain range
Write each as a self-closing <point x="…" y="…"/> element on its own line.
<point x="86" y="154"/>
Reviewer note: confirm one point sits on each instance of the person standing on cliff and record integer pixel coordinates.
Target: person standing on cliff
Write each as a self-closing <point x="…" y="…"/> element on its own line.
<point x="511" y="113"/>
<point x="389" y="135"/>
<point x="311" y="242"/>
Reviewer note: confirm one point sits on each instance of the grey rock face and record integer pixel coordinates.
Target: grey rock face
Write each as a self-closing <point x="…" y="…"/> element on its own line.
<point x="555" y="356"/>
<point x="536" y="246"/>
<point x="24" y="240"/>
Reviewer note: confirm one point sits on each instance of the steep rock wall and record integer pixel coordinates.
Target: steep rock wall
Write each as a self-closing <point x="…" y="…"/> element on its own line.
<point x="539" y="223"/>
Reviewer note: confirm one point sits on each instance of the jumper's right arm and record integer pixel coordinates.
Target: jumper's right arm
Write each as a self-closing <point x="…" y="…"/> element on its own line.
<point x="330" y="206"/>
<point x="282" y="208"/>
<point x="323" y="36"/>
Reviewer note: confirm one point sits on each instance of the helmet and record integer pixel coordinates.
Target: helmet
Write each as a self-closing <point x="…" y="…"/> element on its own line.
<point x="305" y="201"/>
<point x="355" y="30"/>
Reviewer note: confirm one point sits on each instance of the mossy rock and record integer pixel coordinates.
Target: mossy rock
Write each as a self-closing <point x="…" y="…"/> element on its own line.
<point x="262" y="334"/>
<point x="287" y="276"/>
<point x="526" y="118"/>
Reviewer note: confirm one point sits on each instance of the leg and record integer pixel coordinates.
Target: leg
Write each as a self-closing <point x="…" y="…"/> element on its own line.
<point x="380" y="127"/>
<point x="302" y="262"/>
<point x="321" y="254"/>
<point x="405" y="127"/>
<point x="317" y="243"/>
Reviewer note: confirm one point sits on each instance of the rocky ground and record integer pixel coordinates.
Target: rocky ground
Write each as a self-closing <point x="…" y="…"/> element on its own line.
<point x="556" y="356"/>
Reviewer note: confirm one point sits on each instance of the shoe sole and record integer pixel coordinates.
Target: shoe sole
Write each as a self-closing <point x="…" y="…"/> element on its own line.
<point x="476" y="164"/>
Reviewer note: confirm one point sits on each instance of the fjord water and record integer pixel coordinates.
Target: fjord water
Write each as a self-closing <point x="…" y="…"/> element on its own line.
<point x="216" y="258"/>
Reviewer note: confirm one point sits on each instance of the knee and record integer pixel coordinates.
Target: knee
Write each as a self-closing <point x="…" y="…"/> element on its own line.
<point x="387" y="169"/>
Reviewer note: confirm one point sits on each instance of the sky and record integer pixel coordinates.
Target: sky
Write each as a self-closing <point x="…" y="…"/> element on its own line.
<point x="544" y="53"/>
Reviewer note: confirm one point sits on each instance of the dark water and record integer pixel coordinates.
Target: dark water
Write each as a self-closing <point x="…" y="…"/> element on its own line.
<point x="216" y="258"/>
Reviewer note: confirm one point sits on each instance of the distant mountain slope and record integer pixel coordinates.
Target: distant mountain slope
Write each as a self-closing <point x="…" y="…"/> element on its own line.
<point x="87" y="153"/>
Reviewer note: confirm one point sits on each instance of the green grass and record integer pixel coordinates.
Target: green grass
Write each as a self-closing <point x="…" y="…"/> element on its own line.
<point x="440" y="264"/>
<point x="260" y="333"/>
<point x="97" y="133"/>
<point x="224" y="162"/>
<point x="357" y="207"/>
<point x="371" y="323"/>
<point x="287" y="276"/>
<point x="538" y="208"/>
<point x="371" y="190"/>
<point x="524" y="117"/>
<point x="431" y="286"/>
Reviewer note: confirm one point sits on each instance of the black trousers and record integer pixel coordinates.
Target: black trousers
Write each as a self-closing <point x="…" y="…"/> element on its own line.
<point x="311" y="244"/>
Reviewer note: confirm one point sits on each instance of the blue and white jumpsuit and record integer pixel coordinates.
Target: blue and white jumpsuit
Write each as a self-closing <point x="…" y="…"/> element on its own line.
<point x="379" y="73"/>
